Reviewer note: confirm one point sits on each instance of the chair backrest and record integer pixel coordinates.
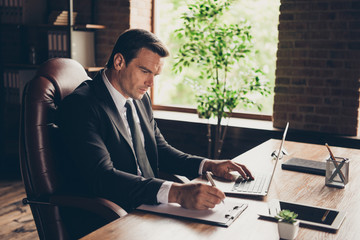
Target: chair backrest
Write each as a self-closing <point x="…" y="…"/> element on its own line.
<point x="40" y="143"/>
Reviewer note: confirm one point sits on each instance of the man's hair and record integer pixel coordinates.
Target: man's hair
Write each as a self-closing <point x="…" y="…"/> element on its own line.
<point x="131" y="41"/>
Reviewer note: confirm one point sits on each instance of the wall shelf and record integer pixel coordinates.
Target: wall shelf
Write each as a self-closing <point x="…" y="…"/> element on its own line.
<point x="28" y="38"/>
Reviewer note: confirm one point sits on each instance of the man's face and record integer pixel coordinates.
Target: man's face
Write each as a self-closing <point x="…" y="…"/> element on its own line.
<point x="138" y="76"/>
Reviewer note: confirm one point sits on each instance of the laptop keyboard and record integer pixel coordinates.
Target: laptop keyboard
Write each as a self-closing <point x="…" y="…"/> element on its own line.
<point x="250" y="186"/>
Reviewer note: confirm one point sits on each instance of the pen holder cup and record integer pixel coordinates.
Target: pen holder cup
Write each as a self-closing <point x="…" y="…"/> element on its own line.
<point x="337" y="172"/>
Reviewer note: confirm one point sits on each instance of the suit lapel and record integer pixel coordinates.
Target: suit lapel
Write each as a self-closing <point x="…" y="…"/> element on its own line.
<point x="107" y="103"/>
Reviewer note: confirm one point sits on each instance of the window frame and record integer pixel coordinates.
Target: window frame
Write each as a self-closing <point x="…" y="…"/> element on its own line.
<point x="255" y="116"/>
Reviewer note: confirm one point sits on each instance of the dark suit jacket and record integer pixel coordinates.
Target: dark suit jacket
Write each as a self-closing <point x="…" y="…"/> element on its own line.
<point x="101" y="156"/>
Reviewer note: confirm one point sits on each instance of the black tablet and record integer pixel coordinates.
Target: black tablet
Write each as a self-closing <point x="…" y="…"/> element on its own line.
<point x="308" y="215"/>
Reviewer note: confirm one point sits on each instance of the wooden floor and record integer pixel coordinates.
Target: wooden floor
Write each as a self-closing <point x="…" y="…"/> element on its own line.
<point x="16" y="221"/>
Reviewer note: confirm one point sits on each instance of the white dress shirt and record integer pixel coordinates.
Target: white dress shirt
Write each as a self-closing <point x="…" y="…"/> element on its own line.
<point x="120" y="100"/>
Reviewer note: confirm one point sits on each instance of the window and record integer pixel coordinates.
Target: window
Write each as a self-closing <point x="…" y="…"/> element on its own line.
<point x="176" y="90"/>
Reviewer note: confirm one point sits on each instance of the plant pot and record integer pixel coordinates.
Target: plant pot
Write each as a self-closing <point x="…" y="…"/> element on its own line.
<point x="288" y="230"/>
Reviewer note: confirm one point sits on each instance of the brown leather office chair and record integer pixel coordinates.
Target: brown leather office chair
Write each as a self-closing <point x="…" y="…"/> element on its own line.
<point x="58" y="214"/>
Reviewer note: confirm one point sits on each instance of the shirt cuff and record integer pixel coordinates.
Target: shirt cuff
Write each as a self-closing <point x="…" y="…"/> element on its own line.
<point x="201" y="166"/>
<point x="163" y="193"/>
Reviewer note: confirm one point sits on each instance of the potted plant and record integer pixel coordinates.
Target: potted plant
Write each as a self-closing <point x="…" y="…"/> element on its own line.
<point x="214" y="48"/>
<point x="288" y="225"/>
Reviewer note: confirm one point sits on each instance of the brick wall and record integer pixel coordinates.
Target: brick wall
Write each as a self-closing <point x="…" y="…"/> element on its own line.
<point x="117" y="16"/>
<point x="141" y="14"/>
<point x="114" y="14"/>
<point x="318" y="66"/>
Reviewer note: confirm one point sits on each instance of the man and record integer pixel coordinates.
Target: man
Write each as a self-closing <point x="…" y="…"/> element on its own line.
<point x="97" y="121"/>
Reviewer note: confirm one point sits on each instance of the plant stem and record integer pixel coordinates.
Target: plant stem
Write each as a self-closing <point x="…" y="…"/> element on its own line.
<point x="209" y="139"/>
<point x="222" y="138"/>
<point x="217" y="148"/>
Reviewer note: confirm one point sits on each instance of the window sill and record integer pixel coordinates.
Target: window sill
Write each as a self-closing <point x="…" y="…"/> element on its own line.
<point x="233" y="122"/>
<point x="263" y="129"/>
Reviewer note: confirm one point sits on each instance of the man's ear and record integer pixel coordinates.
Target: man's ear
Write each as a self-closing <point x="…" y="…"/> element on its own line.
<point x="119" y="61"/>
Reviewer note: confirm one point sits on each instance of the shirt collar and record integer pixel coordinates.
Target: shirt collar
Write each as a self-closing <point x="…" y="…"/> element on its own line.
<point x="117" y="97"/>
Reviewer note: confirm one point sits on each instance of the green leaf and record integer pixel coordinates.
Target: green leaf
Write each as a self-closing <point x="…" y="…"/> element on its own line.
<point x="287" y="216"/>
<point x="214" y="48"/>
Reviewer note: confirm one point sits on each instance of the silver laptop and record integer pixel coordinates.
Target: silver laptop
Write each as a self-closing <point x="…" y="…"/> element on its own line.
<point x="257" y="187"/>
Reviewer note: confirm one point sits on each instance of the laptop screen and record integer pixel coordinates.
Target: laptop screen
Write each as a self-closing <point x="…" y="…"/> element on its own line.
<point x="279" y="153"/>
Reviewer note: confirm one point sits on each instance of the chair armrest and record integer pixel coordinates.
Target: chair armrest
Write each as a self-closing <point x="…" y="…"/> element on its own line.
<point x="100" y="206"/>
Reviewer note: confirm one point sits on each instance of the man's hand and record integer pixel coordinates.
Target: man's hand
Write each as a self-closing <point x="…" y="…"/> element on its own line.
<point x="195" y="195"/>
<point x="222" y="168"/>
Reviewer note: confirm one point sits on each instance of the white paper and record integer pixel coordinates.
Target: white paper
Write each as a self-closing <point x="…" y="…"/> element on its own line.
<point x="222" y="214"/>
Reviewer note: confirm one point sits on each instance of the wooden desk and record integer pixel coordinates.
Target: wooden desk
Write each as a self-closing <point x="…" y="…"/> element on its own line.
<point x="286" y="185"/>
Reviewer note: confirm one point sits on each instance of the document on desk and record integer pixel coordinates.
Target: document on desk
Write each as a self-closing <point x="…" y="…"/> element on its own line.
<point x="222" y="215"/>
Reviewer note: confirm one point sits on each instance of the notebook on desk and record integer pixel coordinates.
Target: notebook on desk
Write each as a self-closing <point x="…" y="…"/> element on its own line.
<point x="222" y="215"/>
<point x="258" y="187"/>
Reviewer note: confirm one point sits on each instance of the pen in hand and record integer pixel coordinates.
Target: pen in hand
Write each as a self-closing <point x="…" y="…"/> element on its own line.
<point x="211" y="180"/>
